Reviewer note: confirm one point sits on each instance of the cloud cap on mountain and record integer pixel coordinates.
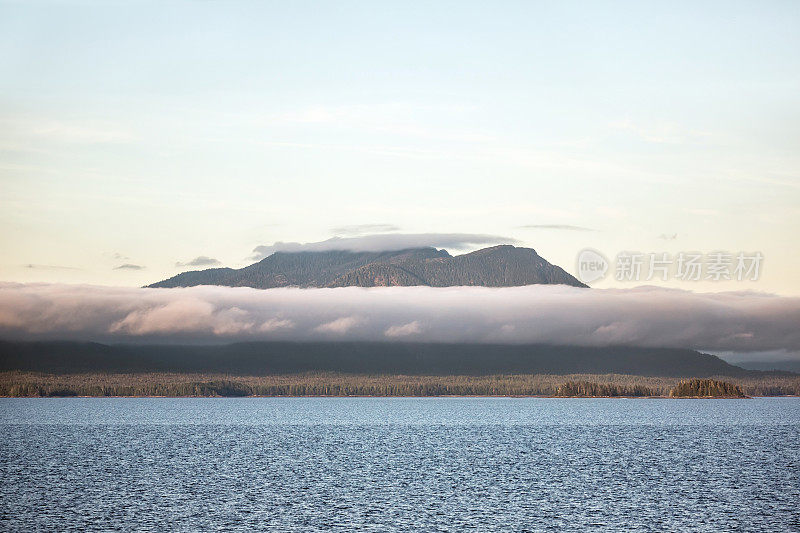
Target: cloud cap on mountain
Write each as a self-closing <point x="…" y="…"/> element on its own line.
<point x="386" y="242"/>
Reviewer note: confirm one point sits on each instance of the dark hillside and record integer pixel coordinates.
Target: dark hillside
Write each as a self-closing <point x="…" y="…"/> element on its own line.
<point x="360" y="358"/>
<point x="498" y="266"/>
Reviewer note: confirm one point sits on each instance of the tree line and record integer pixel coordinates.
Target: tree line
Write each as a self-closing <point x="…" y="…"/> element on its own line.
<point x="590" y="389"/>
<point x="703" y="388"/>
<point x="334" y="384"/>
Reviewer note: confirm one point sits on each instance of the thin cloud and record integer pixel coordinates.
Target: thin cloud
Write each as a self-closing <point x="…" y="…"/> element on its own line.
<point x="668" y="236"/>
<point x="547" y="314"/>
<point x="275" y="324"/>
<point x="340" y="326"/>
<point x="33" y="266"/>
<point x="200" y="260"/>
<point x="404" y="330"/>
<point x="385" y="243"/>
<point x="129" y="266"/>
<point x="363" y="229"/>
<point x="564" y="227"/>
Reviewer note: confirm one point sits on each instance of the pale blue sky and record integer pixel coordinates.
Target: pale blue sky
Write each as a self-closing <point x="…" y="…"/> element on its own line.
<point x="151" y="133"/>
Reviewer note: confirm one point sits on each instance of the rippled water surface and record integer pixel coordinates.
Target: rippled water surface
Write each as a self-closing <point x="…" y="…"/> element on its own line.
<point x="382" y="464"/>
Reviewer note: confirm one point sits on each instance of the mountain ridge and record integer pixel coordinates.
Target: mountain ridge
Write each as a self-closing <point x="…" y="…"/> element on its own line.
<point x="374" y="358"/>
<point x="496" y="266"/>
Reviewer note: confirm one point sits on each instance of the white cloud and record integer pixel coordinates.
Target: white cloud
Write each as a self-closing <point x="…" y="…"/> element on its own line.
<point x="404" y="330"/>
<point x="275" y="324"/>
<point x="646" y="316"/>
<point x="340" y="326"/>
<point x="193" y="315"/>
<point x="386" y="242"/>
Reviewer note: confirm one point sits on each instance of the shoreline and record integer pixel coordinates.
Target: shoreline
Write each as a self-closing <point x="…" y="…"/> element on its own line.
<point x="16" y="384"/>
<point x="515" y="396"/>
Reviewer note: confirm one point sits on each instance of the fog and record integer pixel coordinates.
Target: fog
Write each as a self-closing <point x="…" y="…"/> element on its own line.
<point x="646" y="316"/>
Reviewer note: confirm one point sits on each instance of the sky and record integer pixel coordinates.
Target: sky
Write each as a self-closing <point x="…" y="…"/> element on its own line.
<point x="141" y="139"/>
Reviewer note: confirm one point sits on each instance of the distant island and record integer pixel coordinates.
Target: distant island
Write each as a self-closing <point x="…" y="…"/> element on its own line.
<point x="497" y="266"/>
<point x="686" y="388"/>
<point x="706" y="388"/>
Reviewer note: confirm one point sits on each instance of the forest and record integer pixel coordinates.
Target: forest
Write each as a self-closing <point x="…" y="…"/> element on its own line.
<point x="705" y="388"/>
<point x="31" y="384"/>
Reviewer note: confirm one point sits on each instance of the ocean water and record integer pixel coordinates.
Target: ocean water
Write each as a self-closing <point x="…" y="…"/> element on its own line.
<point x="392" y="464"/>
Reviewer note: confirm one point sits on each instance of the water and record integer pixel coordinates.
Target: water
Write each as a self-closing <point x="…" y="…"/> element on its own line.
<point x="383" y="464"/>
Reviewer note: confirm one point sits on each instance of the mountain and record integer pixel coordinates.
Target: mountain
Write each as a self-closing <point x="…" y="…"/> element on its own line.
<point x="372" y="358"/>
<point x="780" y="366"/>
<point x="498" y="266"/>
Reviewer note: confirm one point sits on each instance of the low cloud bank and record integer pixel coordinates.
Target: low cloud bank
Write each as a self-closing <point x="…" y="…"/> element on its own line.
<point x="387" y="242"/>
<point x="644" y="316"/>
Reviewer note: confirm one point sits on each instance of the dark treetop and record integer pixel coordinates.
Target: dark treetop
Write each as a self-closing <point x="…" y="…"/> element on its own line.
<point x="264" y="358"/>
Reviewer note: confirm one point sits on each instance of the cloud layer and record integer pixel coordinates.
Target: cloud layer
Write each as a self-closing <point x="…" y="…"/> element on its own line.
<point x="644" y="316"/>
<point x="129" y="266"/>
<point x="386" y="243"/>
<point x="200" y="260"/>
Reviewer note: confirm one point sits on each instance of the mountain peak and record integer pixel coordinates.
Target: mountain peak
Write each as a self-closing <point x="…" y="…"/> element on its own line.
<point x="496" y="266"/>
<point x="504" y="248"/>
